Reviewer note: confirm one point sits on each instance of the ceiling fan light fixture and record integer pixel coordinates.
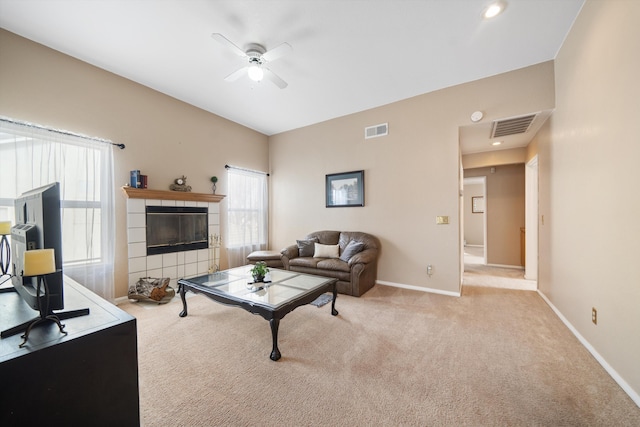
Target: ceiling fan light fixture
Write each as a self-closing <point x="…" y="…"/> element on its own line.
<point x="255" y="72"/>
<point x="257" y="56"/>
<point x="494" y="9"/>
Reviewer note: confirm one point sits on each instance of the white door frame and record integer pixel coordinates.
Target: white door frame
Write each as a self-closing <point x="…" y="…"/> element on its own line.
<point x="531" y="220"/>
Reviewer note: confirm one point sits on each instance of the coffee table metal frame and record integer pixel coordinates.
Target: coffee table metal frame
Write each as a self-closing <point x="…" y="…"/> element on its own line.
<point x="272" y="300"/>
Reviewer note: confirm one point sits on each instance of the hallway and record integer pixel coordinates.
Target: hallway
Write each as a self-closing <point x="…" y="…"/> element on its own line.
<point x="478" y="274"/>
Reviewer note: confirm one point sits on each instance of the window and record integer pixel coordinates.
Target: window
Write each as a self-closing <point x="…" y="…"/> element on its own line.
<point x="33" y="156"/>
<point x="247" y="216"/>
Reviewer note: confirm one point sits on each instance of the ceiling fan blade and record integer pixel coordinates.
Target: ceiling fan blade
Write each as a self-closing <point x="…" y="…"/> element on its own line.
<point x="226" y="42"/>
<point x="274" y="78"/>
<point x="236" y="74"/>
<point x="277" y="52"/>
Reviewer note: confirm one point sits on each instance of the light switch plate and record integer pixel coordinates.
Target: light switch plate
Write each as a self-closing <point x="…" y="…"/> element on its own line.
<point x="442" y="220"/>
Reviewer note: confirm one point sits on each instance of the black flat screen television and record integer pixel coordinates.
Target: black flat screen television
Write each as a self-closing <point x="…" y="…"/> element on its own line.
<point x="38" y="226"/>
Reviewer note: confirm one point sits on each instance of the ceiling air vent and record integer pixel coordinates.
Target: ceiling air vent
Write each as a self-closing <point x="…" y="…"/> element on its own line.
<point x="511" y="126"/>
<point x="375" y="131"/>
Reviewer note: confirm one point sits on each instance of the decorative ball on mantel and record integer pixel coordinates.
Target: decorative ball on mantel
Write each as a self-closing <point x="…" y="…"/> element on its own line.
<point x="180" y="184"/>
<point x="214" y="179"/>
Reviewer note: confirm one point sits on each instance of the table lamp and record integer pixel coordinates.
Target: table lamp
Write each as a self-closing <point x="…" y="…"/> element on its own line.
<point x="39" y="263"/>
<point x="5" y="249"/>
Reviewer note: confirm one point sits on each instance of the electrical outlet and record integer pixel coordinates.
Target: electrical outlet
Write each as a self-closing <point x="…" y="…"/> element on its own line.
<point x="594" y="315"/>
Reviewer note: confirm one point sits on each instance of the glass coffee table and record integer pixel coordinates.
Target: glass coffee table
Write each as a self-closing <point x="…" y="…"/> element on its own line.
<point x="272" y="299"/>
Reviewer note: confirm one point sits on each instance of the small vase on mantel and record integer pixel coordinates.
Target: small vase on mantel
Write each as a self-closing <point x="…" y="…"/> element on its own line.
<point x="214" y="179"/>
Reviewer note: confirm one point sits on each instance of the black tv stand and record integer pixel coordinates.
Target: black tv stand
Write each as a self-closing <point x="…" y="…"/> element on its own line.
<point x="46" y="314"/>
<point x="87" y="377"/>
<point x="51" y="316"/>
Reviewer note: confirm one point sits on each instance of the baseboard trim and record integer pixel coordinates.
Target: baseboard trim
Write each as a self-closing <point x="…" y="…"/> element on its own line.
<point x="517" y="267"/>
<point x="418" y="288"/>
<point x="612" y="372"/>
<point x="120" y="300"/>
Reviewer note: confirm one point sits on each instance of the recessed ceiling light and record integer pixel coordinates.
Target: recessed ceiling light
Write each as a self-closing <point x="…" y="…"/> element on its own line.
<point x="494" y="9"/>
<point x="496" y="143"/>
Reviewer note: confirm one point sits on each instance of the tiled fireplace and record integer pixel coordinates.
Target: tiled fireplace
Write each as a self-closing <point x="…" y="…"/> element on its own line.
<point x="174" y="265"/>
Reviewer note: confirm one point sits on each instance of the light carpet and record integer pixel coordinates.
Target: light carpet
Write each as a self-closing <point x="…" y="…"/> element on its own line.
<point x="477" y="273"/>
<point x="393" y="357"/>
<point x="496" y="277"/>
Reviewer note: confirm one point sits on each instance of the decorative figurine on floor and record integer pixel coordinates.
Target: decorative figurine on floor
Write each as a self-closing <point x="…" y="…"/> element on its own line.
<point x="180" y="184"/>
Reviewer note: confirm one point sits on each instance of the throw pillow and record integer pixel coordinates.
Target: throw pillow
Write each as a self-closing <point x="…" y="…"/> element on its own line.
<point x="326" y="251"/>
<point x="305" y="247"/>
<point x="352" y="248"/>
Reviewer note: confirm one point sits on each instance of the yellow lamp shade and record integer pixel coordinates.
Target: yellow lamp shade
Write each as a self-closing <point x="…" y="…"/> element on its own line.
<point x="5" y="227"/>
<point x="39" y="261"/>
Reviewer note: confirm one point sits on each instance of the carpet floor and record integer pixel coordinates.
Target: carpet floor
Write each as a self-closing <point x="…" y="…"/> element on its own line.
<point x="393" y="357"/>
<point x="477" y="273"/>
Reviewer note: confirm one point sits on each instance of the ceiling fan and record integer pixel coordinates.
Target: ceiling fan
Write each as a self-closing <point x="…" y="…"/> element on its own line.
<point x="257" y="57"/>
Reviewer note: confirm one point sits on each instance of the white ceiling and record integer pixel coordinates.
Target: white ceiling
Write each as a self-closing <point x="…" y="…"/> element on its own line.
<point x="348" y="55"/>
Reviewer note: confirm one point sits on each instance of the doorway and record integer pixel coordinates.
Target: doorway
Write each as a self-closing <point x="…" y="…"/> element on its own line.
<point x="475" y="219"/>
<point x="493" y="229"/>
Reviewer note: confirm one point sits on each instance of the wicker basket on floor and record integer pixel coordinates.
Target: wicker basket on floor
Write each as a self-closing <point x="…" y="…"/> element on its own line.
<point x="152" y="290"/>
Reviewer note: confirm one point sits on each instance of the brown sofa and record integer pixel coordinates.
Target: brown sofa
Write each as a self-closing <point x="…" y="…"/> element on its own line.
<point x="356" y="274"/>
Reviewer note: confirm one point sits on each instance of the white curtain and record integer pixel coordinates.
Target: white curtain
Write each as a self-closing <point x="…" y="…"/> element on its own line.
<point x="32" y="156"/>
<point x="247" y="215"/>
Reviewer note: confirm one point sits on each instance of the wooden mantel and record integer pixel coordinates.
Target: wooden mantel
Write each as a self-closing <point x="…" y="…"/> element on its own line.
<point x="145" y="193"/>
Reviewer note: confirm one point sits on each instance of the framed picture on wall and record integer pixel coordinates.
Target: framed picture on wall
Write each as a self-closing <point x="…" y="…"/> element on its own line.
<point x="345" y="189"/>
<point x="477" y="204"/>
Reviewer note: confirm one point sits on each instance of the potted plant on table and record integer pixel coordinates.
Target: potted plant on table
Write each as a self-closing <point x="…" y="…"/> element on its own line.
<point x="259" y="271"/>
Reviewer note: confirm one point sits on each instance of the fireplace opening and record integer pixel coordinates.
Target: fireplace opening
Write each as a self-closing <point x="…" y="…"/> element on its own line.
<point x="176" y="229"/>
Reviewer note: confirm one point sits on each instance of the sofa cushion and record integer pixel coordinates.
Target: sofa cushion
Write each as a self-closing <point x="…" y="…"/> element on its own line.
<point x="352" y="248"/>
<point x="369" y="241"/>
<point x="333" y="264"/>
<point x="306" y="247"/>
<point x="344" y="276"/>
<point x="325" y="237"/>
<point x="304" y="262"/>
<point x="326" y="251"/>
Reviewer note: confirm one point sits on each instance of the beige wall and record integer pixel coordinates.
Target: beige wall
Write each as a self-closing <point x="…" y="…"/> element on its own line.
<point x="505" y="207"/>
<point x="495" y="158"/>
<point x="532" y="150"/>
<point x="588" y="157"/>
<point x="165" y="138"/>
<point x="473" y="222"/>
<point x="411" y="175"/>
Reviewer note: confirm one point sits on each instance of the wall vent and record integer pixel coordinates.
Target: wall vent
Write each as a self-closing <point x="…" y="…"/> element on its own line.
<point x="511" y="126"/>
<point x="375" y="131"/>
